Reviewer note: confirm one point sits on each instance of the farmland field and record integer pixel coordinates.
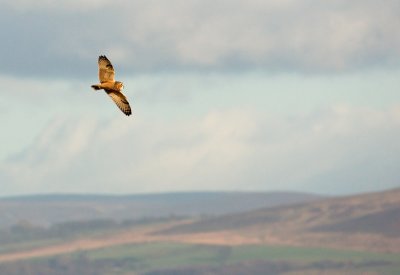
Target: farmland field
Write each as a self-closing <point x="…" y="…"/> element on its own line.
<point x="161" y="256"/>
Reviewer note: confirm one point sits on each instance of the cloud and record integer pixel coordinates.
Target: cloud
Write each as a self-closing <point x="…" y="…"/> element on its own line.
<point x="62" y="38"/>
<point x="338" y="150"/>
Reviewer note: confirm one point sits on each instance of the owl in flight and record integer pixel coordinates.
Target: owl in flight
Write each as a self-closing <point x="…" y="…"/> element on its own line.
<point x="111" y="87"/>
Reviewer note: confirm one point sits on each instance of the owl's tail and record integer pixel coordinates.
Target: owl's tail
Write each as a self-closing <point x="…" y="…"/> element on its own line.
<point x="96" y="87"/>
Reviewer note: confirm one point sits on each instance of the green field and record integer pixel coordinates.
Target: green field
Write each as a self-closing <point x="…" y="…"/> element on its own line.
<point x="159" y="256"/>
<point x="177" y="258"/>
<point x="162" y="255"/>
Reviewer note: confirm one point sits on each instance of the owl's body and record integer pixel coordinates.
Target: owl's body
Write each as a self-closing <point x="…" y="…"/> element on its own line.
<point x="114" y="86"/>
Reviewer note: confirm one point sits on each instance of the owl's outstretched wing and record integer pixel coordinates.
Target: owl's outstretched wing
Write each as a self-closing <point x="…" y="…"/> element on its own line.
<point x="106" y="70"/>
<point x="121" y="101"/>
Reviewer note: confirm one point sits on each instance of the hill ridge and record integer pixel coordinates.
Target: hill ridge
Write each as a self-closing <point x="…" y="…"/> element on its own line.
<point x="55" y="208"/>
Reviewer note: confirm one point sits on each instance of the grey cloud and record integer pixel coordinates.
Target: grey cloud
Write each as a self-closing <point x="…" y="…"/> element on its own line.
<point x="340" y="150"/>
<point x="306" y="36"/>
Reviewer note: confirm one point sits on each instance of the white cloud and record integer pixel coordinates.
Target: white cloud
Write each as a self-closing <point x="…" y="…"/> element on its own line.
<point x="330" y="151"/>
<point x="305" y="35"/>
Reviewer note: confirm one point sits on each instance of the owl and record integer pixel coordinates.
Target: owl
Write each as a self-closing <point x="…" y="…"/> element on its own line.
<point x="110" y="86"/>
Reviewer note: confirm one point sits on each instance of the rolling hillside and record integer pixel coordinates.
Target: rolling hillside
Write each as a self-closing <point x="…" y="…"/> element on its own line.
<point x="367" y="221"/>
<point x="345" y="235"/>
<point x="325" y="214"/>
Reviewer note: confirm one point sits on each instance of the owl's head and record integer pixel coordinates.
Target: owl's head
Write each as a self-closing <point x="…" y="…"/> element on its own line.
<point x="119" y="85"/>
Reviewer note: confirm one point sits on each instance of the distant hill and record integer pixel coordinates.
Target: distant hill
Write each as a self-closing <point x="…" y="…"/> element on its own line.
<point x="368" y="220"/>
<point x="352" y="213"/>
<point x="45" y="210"/>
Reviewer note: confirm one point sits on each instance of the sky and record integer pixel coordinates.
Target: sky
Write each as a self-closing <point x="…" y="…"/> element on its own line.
<point x="277" y="95"/>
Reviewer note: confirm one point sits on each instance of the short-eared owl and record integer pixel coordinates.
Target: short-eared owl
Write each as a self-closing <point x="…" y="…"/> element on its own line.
<point x="111" y="87"/>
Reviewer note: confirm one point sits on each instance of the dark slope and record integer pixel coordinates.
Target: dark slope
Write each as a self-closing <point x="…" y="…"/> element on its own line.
<point x="367" y="213"/>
